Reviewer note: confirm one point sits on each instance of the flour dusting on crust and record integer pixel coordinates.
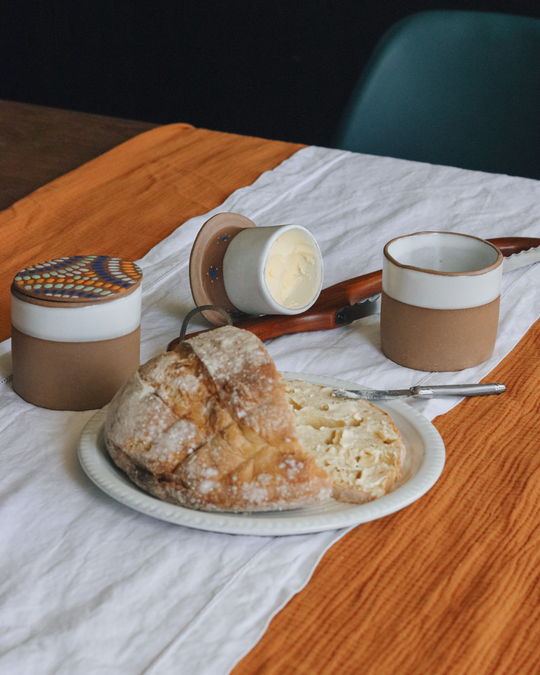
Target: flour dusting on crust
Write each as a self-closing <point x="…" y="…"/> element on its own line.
<point x="207" y="426"/>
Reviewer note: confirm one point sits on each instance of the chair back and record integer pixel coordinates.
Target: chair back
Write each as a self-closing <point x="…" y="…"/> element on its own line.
<point x="454" y="88"/>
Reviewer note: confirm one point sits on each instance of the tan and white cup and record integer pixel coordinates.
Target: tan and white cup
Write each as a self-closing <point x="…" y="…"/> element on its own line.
<point x="440" y="300"/>
<point x="75" y="330"/>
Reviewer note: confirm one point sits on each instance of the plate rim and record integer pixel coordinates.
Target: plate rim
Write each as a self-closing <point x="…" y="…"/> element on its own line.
<point x="106" y="476"/>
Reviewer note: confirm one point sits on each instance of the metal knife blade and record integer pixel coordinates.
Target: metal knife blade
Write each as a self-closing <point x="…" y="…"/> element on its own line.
<point x="485" y="389"/>
<point x="361" y="309"/>
<point x="522" y="259"/>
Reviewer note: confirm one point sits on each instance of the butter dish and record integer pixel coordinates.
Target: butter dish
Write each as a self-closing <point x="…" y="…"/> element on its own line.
<point x="250" y="270"/>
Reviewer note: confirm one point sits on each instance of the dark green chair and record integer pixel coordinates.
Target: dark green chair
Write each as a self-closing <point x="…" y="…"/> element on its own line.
<point x="454" y="88"/>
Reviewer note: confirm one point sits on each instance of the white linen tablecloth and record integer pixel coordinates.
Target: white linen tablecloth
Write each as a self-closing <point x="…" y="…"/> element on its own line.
<point x="89" y="586"/>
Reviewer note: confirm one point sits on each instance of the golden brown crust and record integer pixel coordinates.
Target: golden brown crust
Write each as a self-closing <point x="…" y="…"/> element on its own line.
<point x="208" y="426"/>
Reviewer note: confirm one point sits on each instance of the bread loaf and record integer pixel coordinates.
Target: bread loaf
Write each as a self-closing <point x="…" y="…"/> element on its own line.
<point x="207" y="426"/>
<point x="355" y="442"/>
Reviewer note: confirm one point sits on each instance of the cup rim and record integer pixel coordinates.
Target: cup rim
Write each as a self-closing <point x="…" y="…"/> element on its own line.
<point x="426" y="270"/>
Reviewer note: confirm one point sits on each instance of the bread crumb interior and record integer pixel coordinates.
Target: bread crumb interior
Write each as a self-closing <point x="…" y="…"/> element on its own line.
<point x="353" y="440"/>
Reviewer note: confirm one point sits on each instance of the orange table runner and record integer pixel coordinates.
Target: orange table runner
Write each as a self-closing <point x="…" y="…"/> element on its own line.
<point x="451" y="584"/>
<point x="448" y="585"/>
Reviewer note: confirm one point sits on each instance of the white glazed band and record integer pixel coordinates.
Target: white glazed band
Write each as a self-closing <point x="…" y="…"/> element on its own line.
<point x="440" y="290"/>
<point x="102" y="321"/>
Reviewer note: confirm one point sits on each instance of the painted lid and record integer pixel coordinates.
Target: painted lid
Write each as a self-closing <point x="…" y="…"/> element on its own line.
<point x="78" y="279"/>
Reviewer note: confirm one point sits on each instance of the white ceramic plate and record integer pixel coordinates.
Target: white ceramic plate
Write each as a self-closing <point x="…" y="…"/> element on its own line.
<point x="423" y="466"/>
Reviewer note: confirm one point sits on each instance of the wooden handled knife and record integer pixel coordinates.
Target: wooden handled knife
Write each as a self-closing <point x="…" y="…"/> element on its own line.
<point x="345" y="302"/>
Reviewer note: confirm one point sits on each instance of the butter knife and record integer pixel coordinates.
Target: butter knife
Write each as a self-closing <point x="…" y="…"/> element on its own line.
<point x="421" y="391"/>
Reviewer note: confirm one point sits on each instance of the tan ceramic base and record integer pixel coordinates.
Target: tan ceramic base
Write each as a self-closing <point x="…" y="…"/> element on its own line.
<point x="72" y="375"/>
<point x="438" y="339"/>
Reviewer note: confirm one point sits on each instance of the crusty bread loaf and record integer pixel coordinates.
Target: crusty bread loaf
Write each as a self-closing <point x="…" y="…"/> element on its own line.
<point x="207" y="426"/>
<point x="353" y="440"/>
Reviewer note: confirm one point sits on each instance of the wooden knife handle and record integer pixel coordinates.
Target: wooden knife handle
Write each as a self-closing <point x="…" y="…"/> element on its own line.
<point x="321" y="316"/>
<point x="510" y="245"/>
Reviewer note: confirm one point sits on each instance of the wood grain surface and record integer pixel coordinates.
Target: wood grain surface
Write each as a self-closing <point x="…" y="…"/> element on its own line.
<point x="39" y="144"/>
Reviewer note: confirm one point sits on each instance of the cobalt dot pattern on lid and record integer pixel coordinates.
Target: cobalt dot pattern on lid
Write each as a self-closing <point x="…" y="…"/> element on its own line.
<point x="78" y="278"/>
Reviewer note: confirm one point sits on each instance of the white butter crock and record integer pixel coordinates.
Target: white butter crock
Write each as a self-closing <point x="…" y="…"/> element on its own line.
<point x="245" y="268"/>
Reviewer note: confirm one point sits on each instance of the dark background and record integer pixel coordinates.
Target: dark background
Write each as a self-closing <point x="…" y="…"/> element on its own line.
<point x="280" y="69"/>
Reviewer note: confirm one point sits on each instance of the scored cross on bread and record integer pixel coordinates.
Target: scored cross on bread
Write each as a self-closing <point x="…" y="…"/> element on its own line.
<point x="207" y="426"/>
<point x="211" y="425"/>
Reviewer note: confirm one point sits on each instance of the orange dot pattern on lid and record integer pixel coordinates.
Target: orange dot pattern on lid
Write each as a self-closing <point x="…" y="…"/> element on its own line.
<point x="79" y="278"/>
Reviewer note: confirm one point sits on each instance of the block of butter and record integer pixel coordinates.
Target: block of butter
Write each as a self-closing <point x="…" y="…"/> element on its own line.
<point x="292" y="272"/>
